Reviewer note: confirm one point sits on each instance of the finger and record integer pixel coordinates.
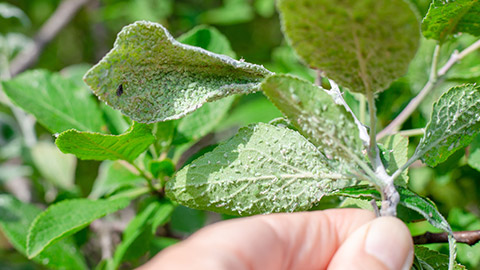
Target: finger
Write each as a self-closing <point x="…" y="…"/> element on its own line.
<point x="384" y="243"/>
<point x="280" y="241"/>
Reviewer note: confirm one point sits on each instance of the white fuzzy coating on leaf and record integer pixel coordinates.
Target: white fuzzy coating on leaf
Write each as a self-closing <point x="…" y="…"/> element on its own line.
<point x="163" y="79"/>
<point x="454" y="123"/>
<point x="263" y="169"/>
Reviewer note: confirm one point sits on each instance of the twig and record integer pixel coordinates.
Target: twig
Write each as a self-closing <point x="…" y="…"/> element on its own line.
<point x="59" y="19"/>
<point x="431" y="83"/>
<point x="466" y="237"/>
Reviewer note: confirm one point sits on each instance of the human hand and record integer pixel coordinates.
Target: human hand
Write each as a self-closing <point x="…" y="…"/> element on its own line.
<point x="330" y="239"/>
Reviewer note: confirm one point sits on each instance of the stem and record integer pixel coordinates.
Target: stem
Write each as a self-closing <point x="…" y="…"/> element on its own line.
<point x="147" y="177"/>
<point x="57" y="21"/>
<point x="466" y="237"/>
<point x="413" y="104"/>
<point x="412" y="132"/>
<point x="431" y="83"/>
<point x="405" y="166"/>
<point x="372" y="147"/>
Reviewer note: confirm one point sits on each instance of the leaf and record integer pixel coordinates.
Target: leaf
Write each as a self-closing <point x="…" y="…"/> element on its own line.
<point x="316" y="115"/>
<point x="395" y="155"/>
<point x="162" y="79"/>
<point x="16" y="217"/>
<point x="428" y="259"/>
<point x="89" y="145"/>
<point x="363" y="45"/>
<point x="113" y="176"/>
<point x="65" y="218"/>
<point x="144" y="224"/>
<point x="55" y="167"/>
<point x="198" y="124"/>
<point x="409" y="199"/>
<point x="474" y="157"/>
<point x="208" y="38"/>
<point x="454" y="123"/>
<point x="57" y="103"/>
<point x="445" y="18"/>
<point x="262" y="169"/>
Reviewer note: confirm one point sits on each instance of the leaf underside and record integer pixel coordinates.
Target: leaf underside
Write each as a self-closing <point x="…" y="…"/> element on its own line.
<point x="315" y="114"/>
<point x="454" y="123"/>
<point x="362" y="45"/>
<point x="262" y="169"/>
<point x="445" y="18"/>
<point x="161" y="79"/>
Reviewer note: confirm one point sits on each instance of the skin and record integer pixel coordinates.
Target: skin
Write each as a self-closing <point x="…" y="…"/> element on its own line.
<point x="330" y="239"/>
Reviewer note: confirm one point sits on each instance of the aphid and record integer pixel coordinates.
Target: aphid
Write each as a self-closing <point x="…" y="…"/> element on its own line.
<point x="120" y="90"/>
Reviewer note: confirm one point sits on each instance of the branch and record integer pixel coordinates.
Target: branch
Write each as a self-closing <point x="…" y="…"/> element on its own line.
<point x="467" y="237"/>
<point x="49" y="30"/>
<point x="431" y="83"/>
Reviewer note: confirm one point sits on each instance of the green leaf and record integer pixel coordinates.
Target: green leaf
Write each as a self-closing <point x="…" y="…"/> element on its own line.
<point x="198" y="124"/>
<point x="208" y="38"/>
<point x="143" y="224"/>
<point x="409" y="199"/>
<point x="151" y="77"/>
<point x="58" y="103"/>
<point x="428" y="259"/>
<point x="16" y="217"/>
<point x="262" y="169"/>
<point x="89" y="145"/>
<point x="363" y="45"/>
<point x="395" y="153"/>
<point x="65" y="218"/>
<point x="474" y="157"/>
<point x="55" y="166"/>
<point x="454" y="123"/>
<point x="316" y="115"/>
<point x="445" y="18"/>
<point x="112" y="176"/>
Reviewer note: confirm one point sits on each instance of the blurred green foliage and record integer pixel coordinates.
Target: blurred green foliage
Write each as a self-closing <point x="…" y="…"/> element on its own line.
<point x="253" y="29"/>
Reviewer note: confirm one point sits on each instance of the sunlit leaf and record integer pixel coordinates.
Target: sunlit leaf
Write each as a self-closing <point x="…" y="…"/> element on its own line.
<point x="65" y="218"/>
<point x="262" y="169"/>
<point x="363" y="45"/>
<point x="446" y="18"/>
<point x="15" y="219"/>
<point x="58" y="103"/>
<point x="89" y="145"/>
<point x="151" y="77"/>
<point x="316" y="115"/>
<point x="454" y="123"/>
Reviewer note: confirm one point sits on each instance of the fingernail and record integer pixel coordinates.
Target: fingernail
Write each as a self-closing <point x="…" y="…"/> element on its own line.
<point x="389" y="242"/>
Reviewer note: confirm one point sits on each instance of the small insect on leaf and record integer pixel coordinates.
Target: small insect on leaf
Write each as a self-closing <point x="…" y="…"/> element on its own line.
<point x="120" y="90"/>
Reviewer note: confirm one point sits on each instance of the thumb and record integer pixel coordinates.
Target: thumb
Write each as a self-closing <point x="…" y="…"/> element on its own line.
<point x="383" y="243"/>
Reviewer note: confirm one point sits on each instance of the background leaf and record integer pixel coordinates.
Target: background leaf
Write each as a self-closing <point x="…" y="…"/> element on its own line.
<point x="57" y="103"/>
<point x="394" y="154"/>
<point x="454" y="123"/>
<point x="15" y="219"/>
<point x="262" y="169"/>
<point x="208" y="38"/>
<point x="65" y="218"/>
<point x="112" y="176"/>
<point x="445" y="18"/>
<point x="89" y="145"/>
<point x="426" y="259"/>
<point x="362" y="45"/>
<point x="57" y="167"/>
<point x="163" y="79"/>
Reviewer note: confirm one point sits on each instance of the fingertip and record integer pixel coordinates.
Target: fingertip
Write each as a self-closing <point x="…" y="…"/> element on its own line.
<point x="383" y="243"/>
